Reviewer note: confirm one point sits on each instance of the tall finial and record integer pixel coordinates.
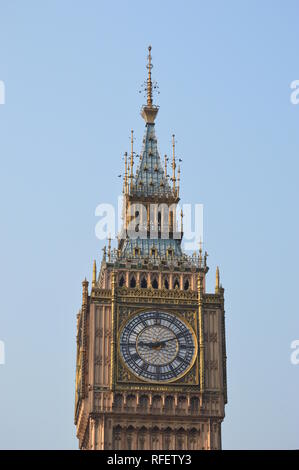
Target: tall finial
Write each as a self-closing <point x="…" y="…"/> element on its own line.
<point x="109" y="249"/>
<point x="94" y="274"/>
<point x="149" y="79"/>
<point x="84" y="292"/>
<point x="217" y="285"/>
<point x="126" y="175"/>
<point x="173" y="163"/>
<point x="200" y="253"/>
<point x="149" y="112"/>
<point x="165" y="165"/>
<point x="132" y="159"/>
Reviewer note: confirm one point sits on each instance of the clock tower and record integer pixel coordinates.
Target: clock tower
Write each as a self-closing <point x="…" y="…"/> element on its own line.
<point x="151" y="358"/>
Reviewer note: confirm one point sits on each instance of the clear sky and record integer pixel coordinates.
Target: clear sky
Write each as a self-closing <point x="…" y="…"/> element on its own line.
<point x="72" y="71"/>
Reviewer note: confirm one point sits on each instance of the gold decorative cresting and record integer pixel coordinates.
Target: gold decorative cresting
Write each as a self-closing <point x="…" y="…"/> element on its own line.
<point x="149" y="112"/>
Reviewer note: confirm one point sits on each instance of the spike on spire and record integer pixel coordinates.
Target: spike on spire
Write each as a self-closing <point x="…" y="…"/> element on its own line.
<point x="149" y="112"/>
<point x="178" y="181"/>
<point x="173" y="163"/>
<point x="128" y="173"/>
<point x="149" y="79"/>
<point x="132" y="159"/>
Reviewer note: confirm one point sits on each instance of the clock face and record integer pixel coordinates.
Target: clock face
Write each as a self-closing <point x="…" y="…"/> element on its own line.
<point x="157" y="346"/>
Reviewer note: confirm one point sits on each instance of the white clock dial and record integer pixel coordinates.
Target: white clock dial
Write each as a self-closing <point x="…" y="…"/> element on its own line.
<point x="157" y="346"/>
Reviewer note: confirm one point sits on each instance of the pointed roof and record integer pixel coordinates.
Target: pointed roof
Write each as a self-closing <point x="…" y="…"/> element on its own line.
<point x="150" y="179"/>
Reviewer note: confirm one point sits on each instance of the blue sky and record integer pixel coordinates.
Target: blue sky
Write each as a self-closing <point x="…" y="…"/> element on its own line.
<point x="72" y="71"/>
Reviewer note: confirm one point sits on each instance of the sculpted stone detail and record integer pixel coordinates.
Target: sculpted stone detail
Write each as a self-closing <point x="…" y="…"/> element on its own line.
<point x="211" y="337"/>
<point x="99" y="332"/>
<point x="211" y="365"/>
<point x="99" y="360"/>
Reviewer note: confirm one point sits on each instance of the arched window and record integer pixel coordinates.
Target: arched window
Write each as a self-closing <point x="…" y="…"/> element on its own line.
<point x="155" y="283"/>
<point x="121" y="281"/>
<point x="118" y="399"/>
<point x="159" y="221"/>
<point x="153" y="252"/>
<point x="117" y="437"/>
<point x="131" y="401"/>
<point x="167" y="439"/>
<point x="171" y="220"/>
<point x="192" y="438"/>
<point x="143" y="401"/>
<point x="155" y="438"/>
<point x="176" y="284"/>
<point x="136" y="251"/>
<point x="182" y="402"/>
<point x="129" y="434"/>
<point x="141" y="438"/>
<point x="166" y="284"/>
<point x="143" y="283"/>
<point x="169" y="403"/>
<point x="180" y="437"/>
<point x="133" y="282"/>
<point x="194" y="404"/>
<point x="156" y="402"/>
<point x="186" y="285"/>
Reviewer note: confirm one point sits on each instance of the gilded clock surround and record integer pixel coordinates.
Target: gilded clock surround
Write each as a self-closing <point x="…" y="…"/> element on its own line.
<point x="115" y="409"/>
<point x="125" y="375"/>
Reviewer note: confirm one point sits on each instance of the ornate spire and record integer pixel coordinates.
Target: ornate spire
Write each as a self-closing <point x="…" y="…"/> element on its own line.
<point x="149" y="112"/>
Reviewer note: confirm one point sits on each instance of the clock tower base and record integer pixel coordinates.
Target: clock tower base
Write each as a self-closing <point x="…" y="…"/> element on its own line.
<point x="153" y="422"/>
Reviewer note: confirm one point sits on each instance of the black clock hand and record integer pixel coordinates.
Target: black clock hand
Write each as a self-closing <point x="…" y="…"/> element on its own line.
<point x="166" y="340"/>
<point x="149" y="345"/>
